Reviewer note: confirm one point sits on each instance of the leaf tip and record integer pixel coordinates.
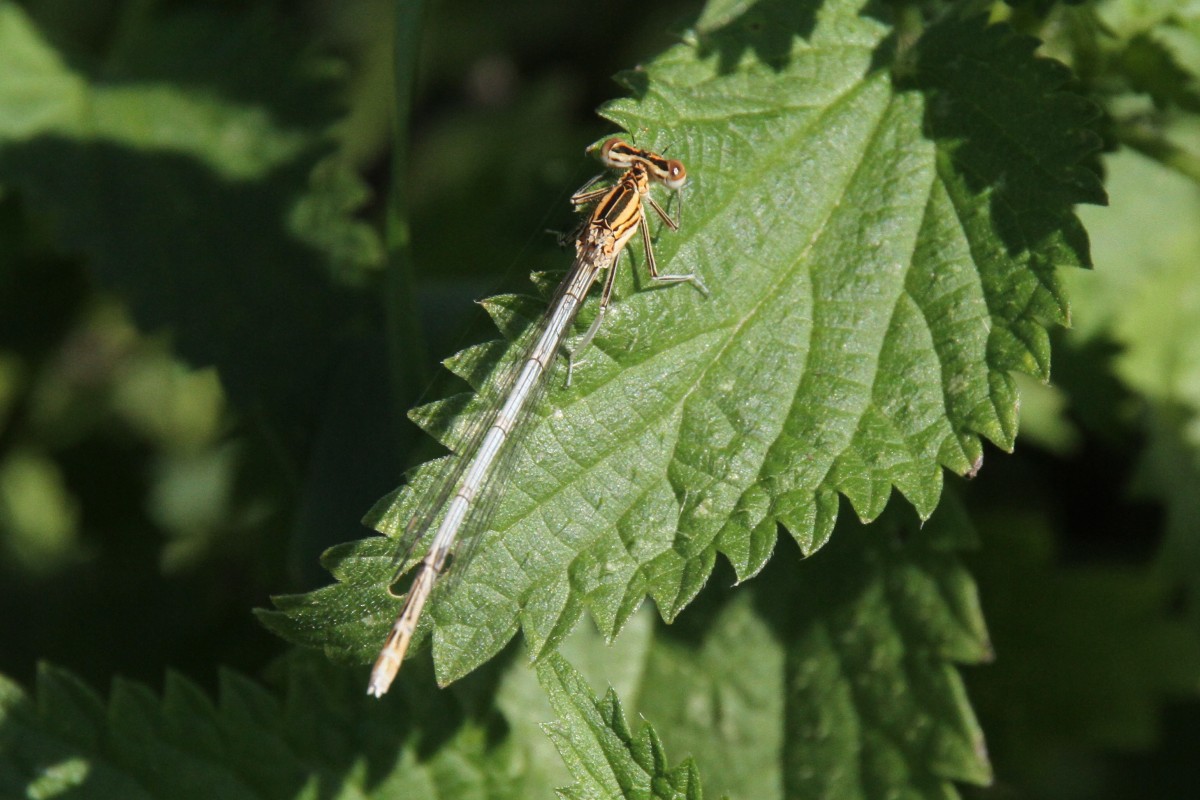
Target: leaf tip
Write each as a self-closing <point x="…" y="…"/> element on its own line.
<point x="976" y="465"/>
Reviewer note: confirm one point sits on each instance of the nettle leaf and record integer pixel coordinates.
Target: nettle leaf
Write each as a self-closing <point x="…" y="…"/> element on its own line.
<point x="317" y="737"/>
<point x="605" y="757"/>
<point x="874" y="703"/>
<point x="880" y="229"/>
<point x="193" y="173"/>
<point x="835" y="678"/>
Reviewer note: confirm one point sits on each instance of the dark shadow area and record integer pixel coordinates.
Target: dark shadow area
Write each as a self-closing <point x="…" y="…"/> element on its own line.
<point x="253" y="56"/>
<point x="766" y="29"/>
<point x="212" y="264"/>
<point x="335" y="726"/>
<point x="208" y="259"/>
<point x="1171" y="769"/>
<point x="1026" y="150"/>
<point x="317" y="729"/>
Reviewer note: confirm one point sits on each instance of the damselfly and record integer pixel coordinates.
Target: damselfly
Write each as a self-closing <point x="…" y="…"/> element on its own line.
<point x="618" y="213"/>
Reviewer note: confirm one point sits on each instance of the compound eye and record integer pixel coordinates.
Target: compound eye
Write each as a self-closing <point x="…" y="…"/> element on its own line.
<point x="606" y="152"/>
<point x="676" y="173"/>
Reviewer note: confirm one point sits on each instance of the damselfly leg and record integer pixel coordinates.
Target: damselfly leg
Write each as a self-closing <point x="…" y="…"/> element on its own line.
<point x="637" y="162"/>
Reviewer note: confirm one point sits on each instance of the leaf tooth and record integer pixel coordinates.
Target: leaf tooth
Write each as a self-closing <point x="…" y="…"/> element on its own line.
<point x="512" y="313"/>
<point x="475" y="363"/>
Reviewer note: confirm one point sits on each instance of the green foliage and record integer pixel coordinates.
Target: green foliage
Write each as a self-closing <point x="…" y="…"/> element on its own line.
<point x="97" y="155"/>
<point x="1149" y="306"/>
<point x="600" y="750"/>
<point x="834" y="679"/>
<point x="872" y="302"/>
<point x="317" y="736"/>
<point x="206" y="347"/>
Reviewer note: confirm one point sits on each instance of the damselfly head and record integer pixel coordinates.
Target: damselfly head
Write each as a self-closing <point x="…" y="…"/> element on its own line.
<point x="619" y="154"/>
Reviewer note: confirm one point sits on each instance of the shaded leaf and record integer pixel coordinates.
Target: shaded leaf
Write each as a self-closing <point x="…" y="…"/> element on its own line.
<point x="606" y="758"/>
<point x="186" y="177"/>
<point x="833" y="679"/>
<point x="319" y="736"/>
